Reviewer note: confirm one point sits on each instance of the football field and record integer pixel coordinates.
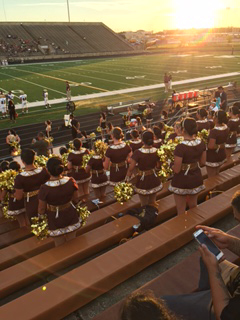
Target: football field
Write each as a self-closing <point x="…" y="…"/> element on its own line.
<point x="91" y="76"/>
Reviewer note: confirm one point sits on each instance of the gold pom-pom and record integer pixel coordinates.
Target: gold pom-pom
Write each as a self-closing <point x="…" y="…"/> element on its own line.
<point x="86" y="158"/>
<point x="127" y="123"/>
<point x="92" y="135"/>
<point x="17" y="147"/>
<point x="128" y="142"/>
<point x="203" y="135"/>
<point x="100" y="148"/>
<point x="5" y="212"/>
<point x="99" y="129"/>
<point x="40" y="161"/>
<point x="84" y="213"/>
<point x="146" y="112"/>
<point x="49" y="140"/>
<point x="7" y="179"/>
<point x="40" y="227"/>
<point x="123" y="192"/>
<point x="65" y="159"/>
<point x="71" y="146"/>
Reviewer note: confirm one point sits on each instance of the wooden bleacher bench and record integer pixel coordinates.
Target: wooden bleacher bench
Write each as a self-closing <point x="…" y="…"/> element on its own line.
<point x="170" y="283"/>
<point x="83" y="284"/>
<point x="167" y="209"/>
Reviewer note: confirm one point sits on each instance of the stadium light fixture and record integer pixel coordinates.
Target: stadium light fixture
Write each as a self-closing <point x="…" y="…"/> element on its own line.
<point x="69" y="20"/>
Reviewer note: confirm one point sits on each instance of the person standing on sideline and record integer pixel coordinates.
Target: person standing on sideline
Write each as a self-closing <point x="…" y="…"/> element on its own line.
<point x="45" y="98"/>
<point x="170" y="82"/>
<point x="165" y="80"/>
<point x="23" y="99"/>
<point x="12" y="111"/>
<point x="41" y="145"/>
<point x="75" y="126"/>
<point x="68" y="91"/>
<point x="3" y="106"/>
<point x="223" y="96"/>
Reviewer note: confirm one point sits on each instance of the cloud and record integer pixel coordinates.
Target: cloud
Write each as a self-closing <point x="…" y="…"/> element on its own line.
<point x="41" y="4"/>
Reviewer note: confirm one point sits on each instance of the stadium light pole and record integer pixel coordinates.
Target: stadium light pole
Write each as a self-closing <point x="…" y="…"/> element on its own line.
<point x="68" y="11"/>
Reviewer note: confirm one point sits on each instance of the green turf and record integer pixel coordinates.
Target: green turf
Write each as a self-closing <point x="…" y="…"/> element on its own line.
<point x="109" y="74"/>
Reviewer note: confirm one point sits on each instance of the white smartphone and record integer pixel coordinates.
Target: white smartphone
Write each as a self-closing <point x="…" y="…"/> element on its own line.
<point x="202" y="238"/>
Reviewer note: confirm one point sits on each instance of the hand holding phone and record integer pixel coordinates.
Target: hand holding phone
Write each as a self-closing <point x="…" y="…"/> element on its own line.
<point x="202" y="238"/>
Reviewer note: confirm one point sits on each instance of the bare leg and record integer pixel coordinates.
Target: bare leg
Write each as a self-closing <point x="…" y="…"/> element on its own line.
<point x="71" y="235"/>
<point x="192" y="201"/>
<point x="59" y="240"/>
<point x="180" y="203"/>
<point x="103" y="193"/>
<point x="152" y="199"/>
<point x="85" y="186"/>
<point x="144" y="200"/>
<point x="21" y="220"/>
<point x="212" y="171"/>
<point x="229" y="153"/>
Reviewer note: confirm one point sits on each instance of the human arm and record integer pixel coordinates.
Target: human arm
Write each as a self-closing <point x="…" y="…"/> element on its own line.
<point x="219" y="291"/>
<point x="202" y="160"/>
<point x="42" y="207"/>
<point x="2" y="194"/>
<point x="69" y="165"/>
<point x="131" y="168"/>
<point x="106" y="163"/>
<point x="18" y="139"/>
<point x="177" y="164"/>
<point x="222" y="239"/>
<point x="211" y="144"/>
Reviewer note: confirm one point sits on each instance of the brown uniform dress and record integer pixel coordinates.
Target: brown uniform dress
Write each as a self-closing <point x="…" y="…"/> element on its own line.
<point x="216" y="157"/>
<point x="136" y="144"/>
<point x="61" y="213"/>
<point x="76" y="159"/>
<point x="234" y="130"/>
<point x="203" y="124"/>
<point x="188" y="181"/>
<point x="157" y="143"/>
<point x="15" y="207"/>
<point x="30" y="182"/>
<point x="99" y="177"/>
<point x="211" y="124"/>
<point x="118" y="153"/>
<point x="148" y="181"/>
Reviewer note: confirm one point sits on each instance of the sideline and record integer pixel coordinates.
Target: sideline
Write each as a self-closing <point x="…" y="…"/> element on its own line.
<point x="130" y="90"/>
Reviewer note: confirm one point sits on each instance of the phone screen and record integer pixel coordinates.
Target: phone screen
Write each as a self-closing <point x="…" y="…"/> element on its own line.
<point x="203" y="239"/>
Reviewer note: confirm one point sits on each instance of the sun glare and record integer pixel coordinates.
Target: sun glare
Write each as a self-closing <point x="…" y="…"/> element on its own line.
<point x="192" y="14"/>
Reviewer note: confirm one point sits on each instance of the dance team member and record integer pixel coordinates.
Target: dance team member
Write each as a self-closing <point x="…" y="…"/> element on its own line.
<point x="234" y="130"/>
<point x="76" y="171"/>
<point x="189" y="156"/>
<point x="57" y="199"/>
<point x="28" y="183"/>
<point x="202" y="121"/>
<point x="116" y="157"/>
<point x="135" y="142"/>
<point x="148" y="183"/>
<point x="216" y="153"/>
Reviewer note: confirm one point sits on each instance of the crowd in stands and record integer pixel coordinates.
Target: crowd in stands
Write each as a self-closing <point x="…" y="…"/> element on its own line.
<point x="18" y="47"/>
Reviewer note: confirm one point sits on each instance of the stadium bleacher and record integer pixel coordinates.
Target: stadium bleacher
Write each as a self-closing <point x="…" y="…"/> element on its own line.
<point x="26" y="39"/>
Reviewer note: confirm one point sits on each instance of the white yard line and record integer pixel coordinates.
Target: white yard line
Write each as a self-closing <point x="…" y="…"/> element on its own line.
<point x="131" y="90"/>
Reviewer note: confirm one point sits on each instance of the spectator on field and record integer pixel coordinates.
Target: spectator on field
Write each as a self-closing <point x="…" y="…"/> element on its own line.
<point x="75" y="126"/>
<point x="145" y="306"/>
<point x="223" y="97"/>
<point x="12" y="137"/>
<point x="48" y="129"/>
<point x="68" y="91"/>
<point x="41" y="145"/>
<point x="165" y="80"/>
<point x="12" y="111"/>
<point x="170" y="82"/>
<point x="218" y="294"/>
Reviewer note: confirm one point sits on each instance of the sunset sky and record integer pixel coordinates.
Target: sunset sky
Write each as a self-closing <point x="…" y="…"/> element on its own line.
<point x="123" y="15"/>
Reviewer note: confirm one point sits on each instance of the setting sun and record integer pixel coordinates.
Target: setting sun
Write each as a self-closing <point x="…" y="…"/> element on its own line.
<point x="203" y="14"/>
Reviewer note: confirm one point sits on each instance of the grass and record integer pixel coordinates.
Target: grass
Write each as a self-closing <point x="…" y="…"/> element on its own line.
<point x="99" y="75"/>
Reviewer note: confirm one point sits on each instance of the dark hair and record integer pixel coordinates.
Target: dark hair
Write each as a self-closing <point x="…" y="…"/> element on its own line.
<point x="202" y="113"/>
<point x="14" y="165"/>
<point x="211" y="113"/>
<point x="12" y="132"/>
<point x="161" y="125"/>
<point x="189" y="125"/>
<point x="41" y="135"/>
<point x="236" y="201"/>
<point x="220" y="88"/>
<point x="117" y="133"/>
<point x="49" y="122"/>
<point x="139" y="121"/>
<point x="110" y="126"/>
<point x="143" y="306"/>
<point x="71" y="116"/>
<point x="77" y="143"/>
<point x="234" y="110"/>
<point x="103" y="115"/>
<point x="134" y="134"/>
<point x="157" y="132"/>
<point x="148" y="137"/>
<point x="84" y="133"/>
<point x="55" y="166"/>
<point x="27" y="156"/>
<point x="221" y="117"/>
<point x="63" y="150"/>
<point x="4" y="165"/>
